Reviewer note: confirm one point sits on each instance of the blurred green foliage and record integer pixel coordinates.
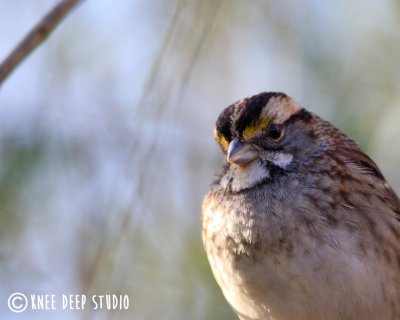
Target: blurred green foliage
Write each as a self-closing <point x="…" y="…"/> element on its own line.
<point x="18" y="165"/>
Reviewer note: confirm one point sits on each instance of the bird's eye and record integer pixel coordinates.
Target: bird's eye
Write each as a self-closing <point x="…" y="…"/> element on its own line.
<point x="274" y="131"/>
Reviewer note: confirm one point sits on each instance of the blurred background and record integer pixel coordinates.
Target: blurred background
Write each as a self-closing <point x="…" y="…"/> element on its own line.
<point x="106" y="145"/>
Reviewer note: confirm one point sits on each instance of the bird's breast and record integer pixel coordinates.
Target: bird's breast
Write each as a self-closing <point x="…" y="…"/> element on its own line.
<point x="270" y="268"/>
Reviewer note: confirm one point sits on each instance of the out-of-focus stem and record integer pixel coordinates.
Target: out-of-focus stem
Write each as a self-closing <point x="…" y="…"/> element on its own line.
<point x="35" y="37"/>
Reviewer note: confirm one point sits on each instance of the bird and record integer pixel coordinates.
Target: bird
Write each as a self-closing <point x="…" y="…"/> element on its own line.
<point x="299" y="223"/>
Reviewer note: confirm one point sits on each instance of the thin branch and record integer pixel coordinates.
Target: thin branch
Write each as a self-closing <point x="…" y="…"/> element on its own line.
<point x="35" y="37"/>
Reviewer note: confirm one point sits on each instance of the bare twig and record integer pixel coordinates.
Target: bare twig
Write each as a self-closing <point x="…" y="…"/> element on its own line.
<point x="36" y="36"/>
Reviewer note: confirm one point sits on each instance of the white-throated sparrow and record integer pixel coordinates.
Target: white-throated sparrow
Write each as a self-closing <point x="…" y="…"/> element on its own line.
<point x="300" y="223"/>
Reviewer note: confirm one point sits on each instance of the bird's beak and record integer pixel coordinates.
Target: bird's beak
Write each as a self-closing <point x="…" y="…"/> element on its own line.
<point x="241" y="153"/>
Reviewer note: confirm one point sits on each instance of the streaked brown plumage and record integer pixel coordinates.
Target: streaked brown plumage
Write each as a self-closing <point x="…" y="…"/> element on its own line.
<point x="300" y="223"/>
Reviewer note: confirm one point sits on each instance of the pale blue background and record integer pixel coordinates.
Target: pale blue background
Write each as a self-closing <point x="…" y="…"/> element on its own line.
<point x="106" y="145"/>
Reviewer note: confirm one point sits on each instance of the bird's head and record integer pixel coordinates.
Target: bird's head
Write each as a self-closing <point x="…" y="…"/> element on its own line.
<point x="264" y="132"/>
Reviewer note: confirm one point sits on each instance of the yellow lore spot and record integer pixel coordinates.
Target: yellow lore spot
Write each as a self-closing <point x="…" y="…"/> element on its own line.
<point x="221" y="139"/>
<point x="254" y="128"/>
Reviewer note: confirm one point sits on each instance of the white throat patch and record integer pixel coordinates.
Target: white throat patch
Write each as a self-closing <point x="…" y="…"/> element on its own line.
<point x="280" y="159"/>
<point x="239" y="178"/>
